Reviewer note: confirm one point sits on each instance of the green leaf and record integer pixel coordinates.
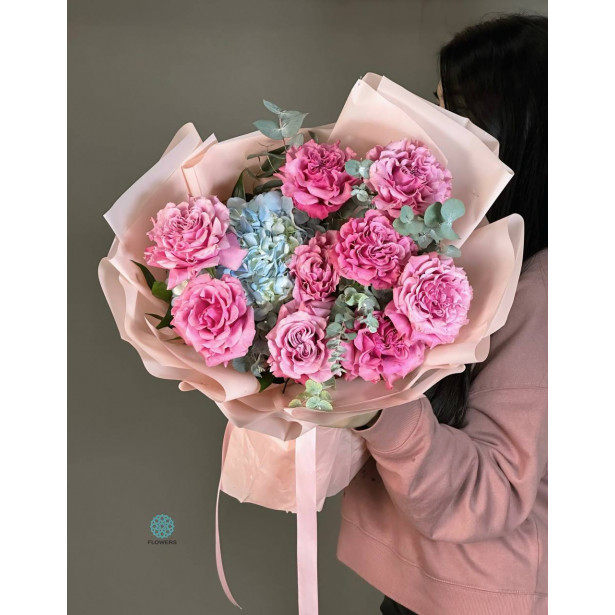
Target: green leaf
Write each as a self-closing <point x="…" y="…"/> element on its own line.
<point x="352" y="167"/>
<point x="166" y="320"/>
<point x="153" y="315"/>
<point x="329" y="383"/>
<point x="362" y="196"/>
<point x="269" y="129"/>
<point x="313" y="135"/>
<point x="159" y="290"/>
<point x="291" y="122"/>
<point x="295" y="403"/>
<point x="266" y="380"/>
<point x="239" y="189"/>
<point x="416" y="226"/>
<point x="312" y="387"/>
<point x="334" y="329"/>
<point x="364" y="168"/>
<point x="406" y="214"/>
<point x="313" y="403"/>
<point x="149" y="276"/>
<point x="270" y="185"/>
<point x="446" y="231"/>
<point x="452" y="251"/>
<point x="401" y="227"/>
<point x="323" y="404"/>
<point x="272" y="107"/>
<point x="432" y="215"/>
<point x="297" y="140"/>
<point x="325" y="395"/>
<point x="423" y="241"/>
<point x="452" y="209"/>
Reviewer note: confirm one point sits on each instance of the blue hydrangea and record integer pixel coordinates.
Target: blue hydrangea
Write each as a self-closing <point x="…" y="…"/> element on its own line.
<point x="266" y="228"/>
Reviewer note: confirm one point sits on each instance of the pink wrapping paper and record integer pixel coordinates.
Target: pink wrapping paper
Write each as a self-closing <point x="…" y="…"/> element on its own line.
<point x="377" y="110"/>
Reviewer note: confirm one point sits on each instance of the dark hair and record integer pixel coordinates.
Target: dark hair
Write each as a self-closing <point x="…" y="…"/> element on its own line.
<point x="495" y="74"/>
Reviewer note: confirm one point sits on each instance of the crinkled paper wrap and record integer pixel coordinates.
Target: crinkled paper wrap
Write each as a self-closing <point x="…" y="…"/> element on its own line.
<point x="377" y="111"/>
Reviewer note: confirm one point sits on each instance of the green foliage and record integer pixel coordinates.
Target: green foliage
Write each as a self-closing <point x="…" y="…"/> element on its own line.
<point x="239" y="189"/>
<point x="159" y="290"/>
<point x="315" y="396"/>
<point x="436" y="225"/>
<point x="286" y="125"/>
<point x="149" y="276"/>
<point x="165" y="321"/>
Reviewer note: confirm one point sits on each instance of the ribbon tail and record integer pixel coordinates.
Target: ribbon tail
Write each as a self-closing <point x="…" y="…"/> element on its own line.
<point x="307" y="531"/>
<point x="219" y="565"/>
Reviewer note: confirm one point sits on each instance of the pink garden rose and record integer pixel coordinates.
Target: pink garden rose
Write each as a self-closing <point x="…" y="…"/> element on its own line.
<point x="315" y="276"/>
<point x="192" y="236"/>
<point x="434" y="297"/>
<point x="407" y="173"/>
<point x="298" y="346"/>
<point x="212" y="316"/>
<point x="370" y="251"/>
<point x="315" y="177"/>
<point x="390" y="353"/>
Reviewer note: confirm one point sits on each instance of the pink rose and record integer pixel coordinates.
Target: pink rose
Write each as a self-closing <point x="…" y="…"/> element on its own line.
<point x="315" y="276"/>
<point x="407" y="173"/>
<point x="315" y="177"/>
<point x="212" y="316"/>
<point x="388" y="353"/>
<point x="434" y="297"/>
<point x="298" y="346"/>
<point x="193" y="236"/>
<point x="370" y="251"/>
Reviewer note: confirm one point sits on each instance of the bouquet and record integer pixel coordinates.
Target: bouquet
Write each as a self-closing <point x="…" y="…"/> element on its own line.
<point x="306" y="278"/>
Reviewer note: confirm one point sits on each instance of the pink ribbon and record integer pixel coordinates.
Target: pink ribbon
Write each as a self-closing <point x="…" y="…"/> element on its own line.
<point x="219" y="565"/>
<point x="307" y="529"/>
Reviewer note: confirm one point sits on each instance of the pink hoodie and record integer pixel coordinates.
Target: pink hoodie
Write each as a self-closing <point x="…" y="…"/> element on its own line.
<point x="454" y="521"/>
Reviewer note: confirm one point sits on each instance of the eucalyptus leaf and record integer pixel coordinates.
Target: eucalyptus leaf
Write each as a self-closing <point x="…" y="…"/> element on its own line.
<point x="269" y="129"/>
<point x="362" y="196"/>
<point x="291" y="122"/>
<point x="452" y="209"/>
<point x="452" y="251"/>
<point x="352" y="167"/>
<point x="323" y="404"/>
<point x="295" y="403"/>
<point x="416" y="226"/>
<point x="334" y="329"/>
<point x="423" y="241"/>
<point x="297" y="140"/>
<point x="406" y="214"/>
<point x="272" y="107"/>
<point x="401" y="227"/>
<point x="446" y="232"/>
<point x="313" y="403"/>
<point x="312" y="387"/>
<point x="432" y="215"/>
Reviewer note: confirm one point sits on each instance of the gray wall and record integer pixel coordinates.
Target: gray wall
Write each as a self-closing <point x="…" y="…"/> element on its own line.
<point x="138" y="70"/>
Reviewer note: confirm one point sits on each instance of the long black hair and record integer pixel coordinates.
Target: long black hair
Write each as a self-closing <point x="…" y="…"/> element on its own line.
<point x="495" y="74"/>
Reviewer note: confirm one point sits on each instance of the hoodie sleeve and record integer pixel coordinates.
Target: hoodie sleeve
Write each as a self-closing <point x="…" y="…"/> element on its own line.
<point x="479" y="482"/>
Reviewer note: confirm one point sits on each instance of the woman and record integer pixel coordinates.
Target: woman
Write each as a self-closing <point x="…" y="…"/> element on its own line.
<point x="449" y="516"/>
